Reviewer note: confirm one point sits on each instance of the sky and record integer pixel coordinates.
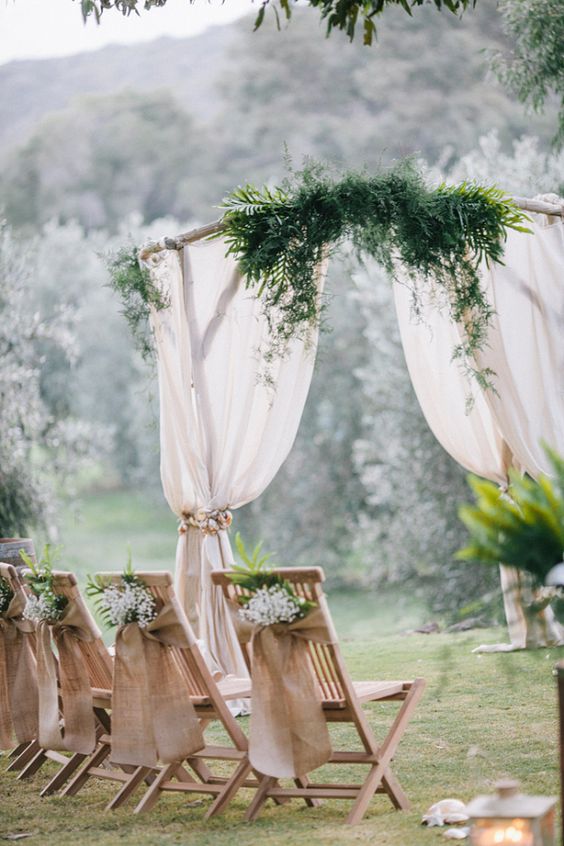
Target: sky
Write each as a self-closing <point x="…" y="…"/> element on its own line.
<point x="32" y="29"/>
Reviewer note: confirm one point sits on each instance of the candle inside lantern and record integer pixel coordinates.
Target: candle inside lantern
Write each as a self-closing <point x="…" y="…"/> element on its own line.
<point x="512" y="819"/>
<point x="503" y="833"/>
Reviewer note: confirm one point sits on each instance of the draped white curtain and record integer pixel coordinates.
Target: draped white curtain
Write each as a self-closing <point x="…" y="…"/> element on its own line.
<point x="224" y="430"/>
<point x="525" y="349"/>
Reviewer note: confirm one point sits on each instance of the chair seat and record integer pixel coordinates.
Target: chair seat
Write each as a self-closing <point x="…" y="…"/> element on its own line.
<point x="369" y="691"/>
<point x="232" y="687"/>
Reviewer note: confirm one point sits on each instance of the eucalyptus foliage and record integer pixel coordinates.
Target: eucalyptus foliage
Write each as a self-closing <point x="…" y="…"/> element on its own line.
<point x="438" y="236"/>
<point x="339" y="14"/>
<point x="534" y="68"/>
<point x="523" y="527"/>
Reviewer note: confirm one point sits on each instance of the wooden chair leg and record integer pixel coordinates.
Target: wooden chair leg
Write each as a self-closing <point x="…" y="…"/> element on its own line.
<point x="18" y="749"/>
<point x="64" y="774"/>
<point x="230" y="789"/>
<point x="34" y="765"/>
<point x="29" y="751"/>
<point x="130" y="786"/>
<point x="385" y="754"/>
<point x="395" y="792"/>
<point x="151" y="797"/>
<point x="303" y="781"/>
<point x="260" y="798"/>
<point x="366" y="793"/>
<point x="83" y="774"/>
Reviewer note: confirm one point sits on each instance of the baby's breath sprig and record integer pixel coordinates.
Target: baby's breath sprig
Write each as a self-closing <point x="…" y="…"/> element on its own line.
<point x="271" y="598"/>
<point x="129" y="602"/>
<point x="45" y="605"/>
<point x="6" y="595"/>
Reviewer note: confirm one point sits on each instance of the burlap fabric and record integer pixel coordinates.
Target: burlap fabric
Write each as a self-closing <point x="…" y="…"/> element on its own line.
<point x="288" y="731"/>
<point x="18" y="677"/>
<point x="71" y="682"/>
<point x="153" y="718"/>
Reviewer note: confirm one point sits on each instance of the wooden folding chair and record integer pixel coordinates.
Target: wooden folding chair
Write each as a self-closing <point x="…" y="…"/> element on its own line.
<point x="210" y="701"/>
<point x="98" y="663"/>
<point x="342" y="701"/>
<point x="24" y="752"/>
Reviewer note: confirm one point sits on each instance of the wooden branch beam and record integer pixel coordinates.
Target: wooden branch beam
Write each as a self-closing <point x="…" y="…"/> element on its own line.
<point x="537" y="206"/>
<point x="180" y="240"/>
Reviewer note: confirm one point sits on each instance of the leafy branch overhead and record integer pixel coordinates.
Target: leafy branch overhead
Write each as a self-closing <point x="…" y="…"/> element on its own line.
<point x="436" y="238"/>
<point x="338" y="14"/>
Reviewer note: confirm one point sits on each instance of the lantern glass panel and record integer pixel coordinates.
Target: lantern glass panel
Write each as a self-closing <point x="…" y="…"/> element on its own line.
<point x="492" y="832"/>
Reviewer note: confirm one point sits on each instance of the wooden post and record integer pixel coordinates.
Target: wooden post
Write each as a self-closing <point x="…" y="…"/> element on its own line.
<point x="559" y="671"/>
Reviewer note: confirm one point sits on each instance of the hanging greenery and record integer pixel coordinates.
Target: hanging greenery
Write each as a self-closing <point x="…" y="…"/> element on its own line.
<point x="434" y="237"/>
<point x="138" y="294"/>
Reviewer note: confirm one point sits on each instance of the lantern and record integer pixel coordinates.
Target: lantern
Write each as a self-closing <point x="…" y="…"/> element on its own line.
<point x="512" y="819"/>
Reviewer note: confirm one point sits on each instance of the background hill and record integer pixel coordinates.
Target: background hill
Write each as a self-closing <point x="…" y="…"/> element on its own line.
<point x="206" y="113"/>
<point x="29" y="90"/>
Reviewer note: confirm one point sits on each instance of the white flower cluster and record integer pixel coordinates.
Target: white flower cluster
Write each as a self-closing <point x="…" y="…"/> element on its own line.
<point x="272" y="605"/>
<point x="39" y="609"/>
<point x="129" y="603"/>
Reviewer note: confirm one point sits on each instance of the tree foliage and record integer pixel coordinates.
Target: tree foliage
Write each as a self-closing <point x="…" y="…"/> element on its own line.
<point x="534" y="67"/>
<point x="338" y="14"/>
<point x="523" y="527"/>
<point x="39" y="443"/>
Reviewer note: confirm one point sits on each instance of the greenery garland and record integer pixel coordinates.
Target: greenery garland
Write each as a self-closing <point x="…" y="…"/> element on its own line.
<point x="437" y="236"/>
<point x="138" y="294"/>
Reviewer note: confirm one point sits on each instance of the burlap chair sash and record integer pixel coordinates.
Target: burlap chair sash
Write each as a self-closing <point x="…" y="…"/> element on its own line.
<point x="153" y="718"/>
<point x="72" y="683"/>
<point x="18" y="677"/>
<point x="288" y="731"/>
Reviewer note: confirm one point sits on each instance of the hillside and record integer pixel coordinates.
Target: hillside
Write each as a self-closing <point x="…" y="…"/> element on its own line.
<point x="169" y="127"/>
<point x="31" y="89"/>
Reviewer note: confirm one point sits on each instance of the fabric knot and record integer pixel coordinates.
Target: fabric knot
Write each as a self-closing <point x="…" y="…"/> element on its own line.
<point x="210" y="521"/>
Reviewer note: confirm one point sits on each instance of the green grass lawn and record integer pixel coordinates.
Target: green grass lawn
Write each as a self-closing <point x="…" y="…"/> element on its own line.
<point x="482" y="717"/>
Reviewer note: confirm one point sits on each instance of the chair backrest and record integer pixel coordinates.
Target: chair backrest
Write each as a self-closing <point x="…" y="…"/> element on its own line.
<point x="97" y="659"/>
<point x="190" y="661"/>
<point x="326" y="659"/>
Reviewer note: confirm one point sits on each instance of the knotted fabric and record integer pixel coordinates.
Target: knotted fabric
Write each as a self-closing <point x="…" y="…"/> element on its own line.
<point x="18" y="677"/>
<point x="288" y="731"/>
<point x="153" y="718"/>
<point x="225" y="429"/>
<point x="73" y="684"/>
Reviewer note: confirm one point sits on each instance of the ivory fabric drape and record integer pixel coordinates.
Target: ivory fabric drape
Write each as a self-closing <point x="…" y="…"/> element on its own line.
<point x="225" y="429"/>
<point x="525" y="349"/>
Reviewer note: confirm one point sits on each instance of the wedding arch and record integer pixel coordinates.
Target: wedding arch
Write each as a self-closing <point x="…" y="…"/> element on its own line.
<point x="234" y="308"/>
